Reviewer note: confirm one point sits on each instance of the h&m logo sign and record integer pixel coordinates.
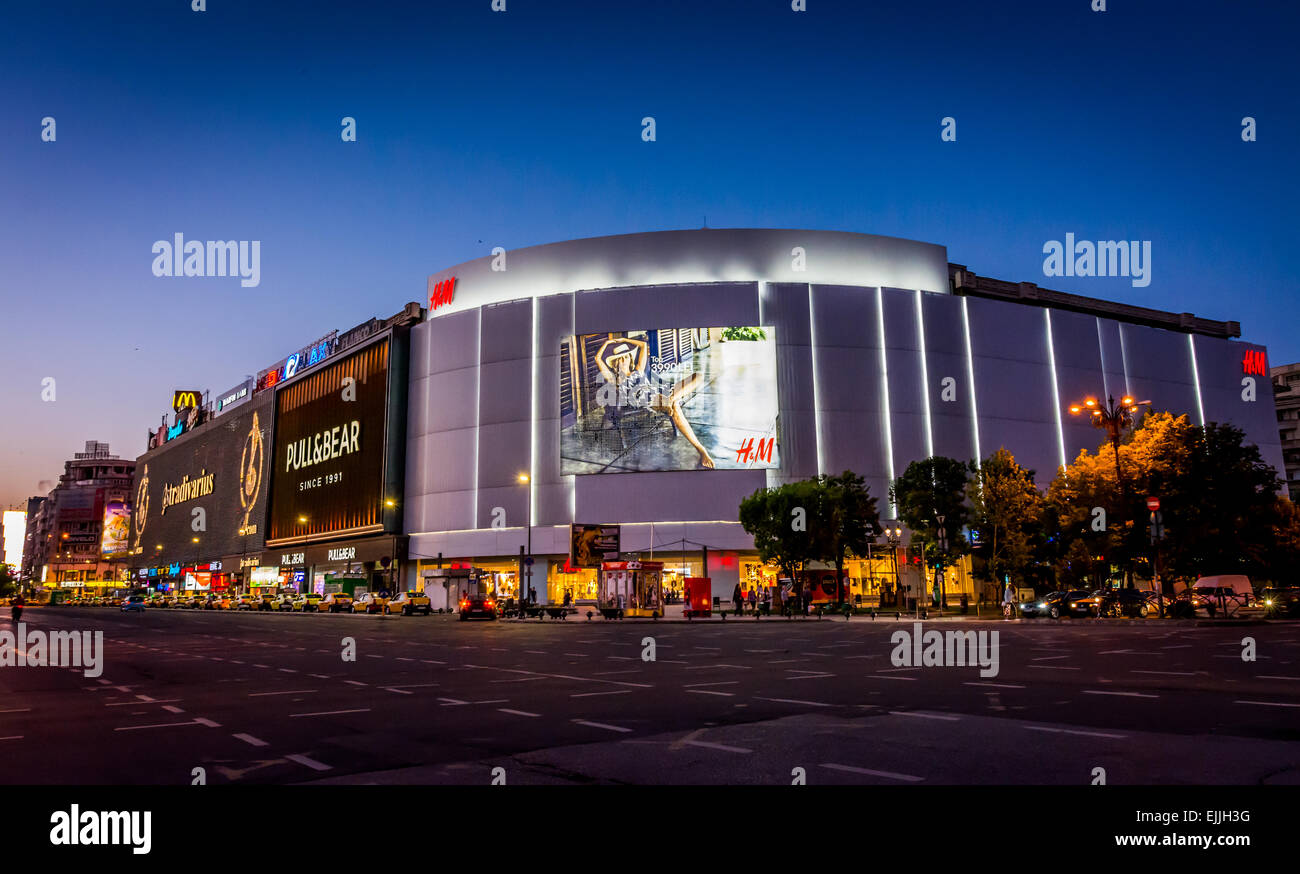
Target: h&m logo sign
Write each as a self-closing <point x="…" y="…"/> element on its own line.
<point x="441" y="293"/>
<point x="1254" y="363"/>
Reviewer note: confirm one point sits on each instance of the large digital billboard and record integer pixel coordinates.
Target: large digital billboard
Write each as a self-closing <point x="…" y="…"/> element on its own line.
<point x="669" y="399"/>
<point x="220" y="469"/>
<point x="328" y="465"/>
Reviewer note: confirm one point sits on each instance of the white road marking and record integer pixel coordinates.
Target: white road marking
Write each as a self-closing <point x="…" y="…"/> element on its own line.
<point x="172" y="709"/>
<point x="18" y="710"/>
<point x="889" y="775"/>
<point x="1167" y="673"/>
<point x="795" y="701"/>
<point x="355" y="683"/>
<point x="517" y="712"/>
<point x="309" y="762"/>
<point x="602" y="725"/>
<point x="1266" y="703"/>
<point x="1074" y="731"/>
<point x="719" y="683"/>
<point x="291" y="692"/>
<point x="1273" y="677"/>
<point x="996" y="685"/>
<point x="157" y="725"/>
<point x="452" y="701"/>
<point x="925" y="715"/>
<point x="594" y="694"/>
<point x="887" y="677"/>
<point x="330" y="712"/>
<point x="711" y="692"/>
<point x="12" y="737"/>
<point x="249" y="739"/>
<point x="1120" y="694"/>
<point x="1053" y="667"/>
<point x="712" y="746"/>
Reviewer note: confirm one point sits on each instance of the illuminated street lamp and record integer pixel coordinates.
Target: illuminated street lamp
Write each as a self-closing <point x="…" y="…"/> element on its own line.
<point x="894" y="536"/>
<point x="1114" y="419"/>
<point x="526" y="578"/>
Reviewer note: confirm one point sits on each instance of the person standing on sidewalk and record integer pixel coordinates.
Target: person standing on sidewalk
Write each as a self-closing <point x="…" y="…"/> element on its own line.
<point x="738" y="599"/>
<point x="1008" y="601"/>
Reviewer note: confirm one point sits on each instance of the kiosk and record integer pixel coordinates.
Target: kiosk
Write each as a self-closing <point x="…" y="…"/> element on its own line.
<point x="630" y="588"/>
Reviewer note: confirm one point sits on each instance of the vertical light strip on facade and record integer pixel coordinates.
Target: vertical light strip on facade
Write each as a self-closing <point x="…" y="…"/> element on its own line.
<point x="1101" y="350"/>
<point x="1056" y="386"/>
<point x="1196" y="377"/>
<point x="970" y="378"/>
<point x="884" y="395"/>
<point x="573" y="480"/>
<point x="925" y="377"/>
<point x="478" y="407"/>
<point x="532" y="424"/>
<point x="812" y="346"/>
<point x="1123" y="352"/>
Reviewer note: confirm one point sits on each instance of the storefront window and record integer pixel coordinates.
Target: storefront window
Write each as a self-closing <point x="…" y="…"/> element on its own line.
<point x="579" y="585"/>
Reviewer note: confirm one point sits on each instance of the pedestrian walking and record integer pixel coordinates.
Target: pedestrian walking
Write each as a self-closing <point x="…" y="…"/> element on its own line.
<point x="738" y="599"/>
<point x="753" y="601"/>
<point x="1008" y="600"/>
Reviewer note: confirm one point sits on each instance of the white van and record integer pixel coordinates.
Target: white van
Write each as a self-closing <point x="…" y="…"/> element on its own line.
<point x="1236" y="586"/>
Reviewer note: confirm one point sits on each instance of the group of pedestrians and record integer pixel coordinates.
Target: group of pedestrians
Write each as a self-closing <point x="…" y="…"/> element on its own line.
<point x="751" y="599"/>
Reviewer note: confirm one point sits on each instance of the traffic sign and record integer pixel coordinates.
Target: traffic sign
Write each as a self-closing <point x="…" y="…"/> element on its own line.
<point x="1153" y="503"/>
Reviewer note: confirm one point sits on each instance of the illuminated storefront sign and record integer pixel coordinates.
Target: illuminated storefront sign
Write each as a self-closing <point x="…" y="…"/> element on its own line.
<point x="442" y="293"/>
<point x="1254" y="363"/>
<point x="343" y="554"/>
<point x="175" y="430"/>
<point x="185" y="399"/>
<point x="308" y="356"/>
<point x="293" y="558"/>
<point x="237" y="395"/>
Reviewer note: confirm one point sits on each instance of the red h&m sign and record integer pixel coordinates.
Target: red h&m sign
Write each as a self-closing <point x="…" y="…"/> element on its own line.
<point x="442" y="293"/>
<point x="1254" y="362"/>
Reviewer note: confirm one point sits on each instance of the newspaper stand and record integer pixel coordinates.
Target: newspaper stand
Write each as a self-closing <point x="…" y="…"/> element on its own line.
<point x="630" y="588"/>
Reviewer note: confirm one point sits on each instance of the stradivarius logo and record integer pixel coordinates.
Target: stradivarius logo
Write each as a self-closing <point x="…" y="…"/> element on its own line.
<point x="945" y="649"/>
<point x="75" y="827"/>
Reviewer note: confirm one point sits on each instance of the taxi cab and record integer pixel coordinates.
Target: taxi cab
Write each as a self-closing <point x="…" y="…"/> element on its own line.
<point x="409" y="603"/>
<point x="336" y="602"/>
<point x="307" y="603"/>
<point x="370" y="602"/>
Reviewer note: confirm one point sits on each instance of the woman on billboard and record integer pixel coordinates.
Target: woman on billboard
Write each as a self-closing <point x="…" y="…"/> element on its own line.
<point x="622" y="363"/>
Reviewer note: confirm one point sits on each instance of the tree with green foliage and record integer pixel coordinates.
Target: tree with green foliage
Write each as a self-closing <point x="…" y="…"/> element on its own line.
<point x="1007" y="509"/>
<point x="850" y="518"/>
<point x="930" y="488"/>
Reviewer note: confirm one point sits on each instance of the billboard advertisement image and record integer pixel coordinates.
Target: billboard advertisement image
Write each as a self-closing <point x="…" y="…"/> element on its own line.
<point x="116" y="536"/>
<point x="669" y="399"/>
<point x="328" y="463"/>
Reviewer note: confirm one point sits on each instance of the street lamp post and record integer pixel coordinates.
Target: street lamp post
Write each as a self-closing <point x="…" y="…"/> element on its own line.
<point x="895" y="536"/>
<point x="1114" y="419"/>
<point x="526" y="578"/>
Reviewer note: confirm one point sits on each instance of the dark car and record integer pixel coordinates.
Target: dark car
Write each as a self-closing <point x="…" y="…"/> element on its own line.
<point x="478" y="607"/>
<point x="1125" y="602"/>
<point x="1281" y="601"/>
<point x="1058" y="604"/>
<point x="133" y="604"/>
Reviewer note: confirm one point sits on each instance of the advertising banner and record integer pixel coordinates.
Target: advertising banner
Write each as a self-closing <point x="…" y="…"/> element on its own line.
<point x="589" y="545"/>
<point x="211" y="486"/>
<point x="669" y="399"/>
<point x="116" y="533"/>
<point x="328" y="464"/>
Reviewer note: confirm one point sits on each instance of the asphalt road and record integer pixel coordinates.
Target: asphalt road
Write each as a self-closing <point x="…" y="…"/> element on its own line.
<point x="268" y="698"/>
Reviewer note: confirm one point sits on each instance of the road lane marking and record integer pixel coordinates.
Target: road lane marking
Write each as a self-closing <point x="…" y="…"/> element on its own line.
<point x="291" y="692"/>
<point x="712" y="746"/>
<point x="1166" y="673"/>
<point x="710" y="692"/>
<point x="20" y="709"/>
<point x="249" y="739"/>
<point x="602" y="725"/>
<point x="172" y="708"/>
<point x="996" y="685"/>
<point x="888" y="775"/>
<point x="452" y="702"/>
<point x="719" y="683"/>
<point x="1266" y="703"/>
<point x="594" y="694"/>
<point x="1261" y="677"/>
<point x="309" y="762"/>
<point x="795" y="701"/>
<point x="330" y="712"/>
<point x="1120" y="694"/>
<point x="517" y="712"/>
<point x="1053" y="667"/>
<point x="157" y="725"/>
<point x="355" y="683"/>
<point x="886" y="677"/>
<point x="925" y="715"/>
<point x="1074" y="731"/>
<point x="12" y="737"/>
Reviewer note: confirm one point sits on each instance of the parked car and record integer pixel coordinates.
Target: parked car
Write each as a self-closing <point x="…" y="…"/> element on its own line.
<point x="1125" y="602"/>
<point x="284" y="603"/>
<point x="1281" y="601"/>
<point x="408" y="603"/>
<point x="266" y="602"/>
<point x="1048" y="605"/>
<point x="133" y="604"/>
<point x="244" y="602"/>
<point x="1233" y="587"/>
<point x="370" y="602"/>
<point x="308" y="602"/>
<point x="336" y="602"/>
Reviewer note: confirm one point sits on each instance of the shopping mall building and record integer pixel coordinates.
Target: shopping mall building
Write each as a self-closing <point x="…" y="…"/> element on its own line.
<point x="654" y="380"/>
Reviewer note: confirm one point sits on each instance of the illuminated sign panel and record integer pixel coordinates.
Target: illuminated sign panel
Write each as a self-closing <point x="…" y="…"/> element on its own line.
<point x="442" y="293"/>
<point x="15" y="526"/>
<point x="328" y="463"/>
<point x="669" y="399"/>
<point x="222" y="469"/>
<point x="308" y="356"/>
<point x="185" y="399"/>
<point x="1254" y="363"/>
<point x="115" y="536"/>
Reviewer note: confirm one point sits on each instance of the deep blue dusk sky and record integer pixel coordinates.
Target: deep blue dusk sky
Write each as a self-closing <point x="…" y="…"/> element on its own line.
<point x="478" y="129"/>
